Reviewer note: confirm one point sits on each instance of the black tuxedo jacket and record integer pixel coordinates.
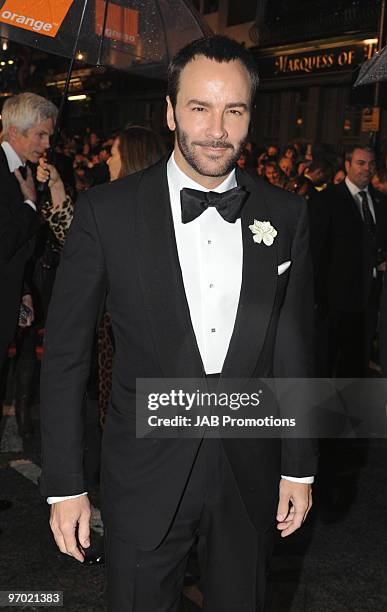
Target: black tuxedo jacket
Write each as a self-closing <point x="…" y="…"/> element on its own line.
<point x="18" y="224"/>
<point x="122" y="241"/>
<point x="344" y="254"/>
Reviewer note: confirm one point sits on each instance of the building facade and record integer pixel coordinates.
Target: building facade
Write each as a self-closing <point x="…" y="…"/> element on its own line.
<point x="308" y="53"/>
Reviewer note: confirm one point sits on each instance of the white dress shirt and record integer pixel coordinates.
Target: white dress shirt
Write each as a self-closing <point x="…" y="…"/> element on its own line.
<point x="210" y="253"/>
<point x="14" y="162"/>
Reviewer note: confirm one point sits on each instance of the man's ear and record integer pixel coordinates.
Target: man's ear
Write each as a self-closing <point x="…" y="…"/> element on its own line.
<point x="346" y="166"/>
<point x="170" y="115"/>
<point x="13" y="132"/>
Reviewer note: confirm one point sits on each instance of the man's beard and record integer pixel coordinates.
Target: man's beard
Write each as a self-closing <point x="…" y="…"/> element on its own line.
<point x="224" y="166"/>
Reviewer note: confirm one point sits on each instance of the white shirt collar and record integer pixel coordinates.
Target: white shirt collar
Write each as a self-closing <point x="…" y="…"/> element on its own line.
<point x="13" y="159"/>
<point x="177" y="179"/>
<point x="353" y="188"/>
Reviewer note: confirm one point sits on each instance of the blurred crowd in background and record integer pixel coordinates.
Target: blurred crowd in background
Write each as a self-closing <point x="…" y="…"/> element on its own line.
<point x="84" y="159"/>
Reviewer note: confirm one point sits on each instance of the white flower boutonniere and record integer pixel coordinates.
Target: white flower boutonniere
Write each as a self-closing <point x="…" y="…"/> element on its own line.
<point x="263" y="231"/>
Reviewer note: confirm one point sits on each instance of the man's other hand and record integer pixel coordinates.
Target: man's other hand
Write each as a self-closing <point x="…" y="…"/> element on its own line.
<point x="27" y="185"/>
<point x="47" y="172"/>
<point x="295" y="501"/>
<point x="26" y="321"/>
<point x="66" y="517"/>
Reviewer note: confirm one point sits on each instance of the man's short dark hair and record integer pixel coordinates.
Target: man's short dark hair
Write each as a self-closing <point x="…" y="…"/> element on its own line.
<point x="218" y="48"/>
<point x="351" y="149"/>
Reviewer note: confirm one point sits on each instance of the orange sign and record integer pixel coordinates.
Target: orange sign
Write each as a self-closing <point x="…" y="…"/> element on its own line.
<point x="121" y="22"/>
<point x="40" y="16"/>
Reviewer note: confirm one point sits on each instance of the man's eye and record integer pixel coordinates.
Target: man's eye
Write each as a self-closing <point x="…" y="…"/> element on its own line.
<point x="236" y="112"/>
<point x="199" y="108"/>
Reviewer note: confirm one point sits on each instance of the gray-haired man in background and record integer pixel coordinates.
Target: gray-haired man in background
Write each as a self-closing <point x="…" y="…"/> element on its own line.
<point x="28" y="121"/>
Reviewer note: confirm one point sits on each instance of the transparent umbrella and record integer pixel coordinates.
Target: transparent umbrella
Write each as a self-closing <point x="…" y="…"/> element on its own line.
<point x="139" y="36"/>
<point x="373" y="70"/>
<point x="133" y="35"/>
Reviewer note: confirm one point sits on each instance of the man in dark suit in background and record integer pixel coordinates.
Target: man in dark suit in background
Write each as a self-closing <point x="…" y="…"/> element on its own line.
<point x="28" y="121"/>
<point x="193" y="292"/>
<point x="349" y="244"/>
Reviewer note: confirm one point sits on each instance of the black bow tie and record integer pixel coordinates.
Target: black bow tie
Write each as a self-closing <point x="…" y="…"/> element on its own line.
<point x="228" y="204"/>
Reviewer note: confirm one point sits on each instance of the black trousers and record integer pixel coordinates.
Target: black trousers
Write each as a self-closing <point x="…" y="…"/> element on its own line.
<point x="233" y="556"/>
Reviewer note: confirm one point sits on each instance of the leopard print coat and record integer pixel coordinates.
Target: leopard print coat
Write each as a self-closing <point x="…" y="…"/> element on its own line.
<point x="60" y="219"/>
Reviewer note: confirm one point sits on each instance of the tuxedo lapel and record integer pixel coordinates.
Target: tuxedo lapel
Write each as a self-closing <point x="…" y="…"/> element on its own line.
<point x="161" y="279"/>
<point x="259" y="282"/>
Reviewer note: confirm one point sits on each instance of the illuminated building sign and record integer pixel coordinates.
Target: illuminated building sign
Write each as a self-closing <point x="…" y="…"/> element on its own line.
<point x="317" y="61"/>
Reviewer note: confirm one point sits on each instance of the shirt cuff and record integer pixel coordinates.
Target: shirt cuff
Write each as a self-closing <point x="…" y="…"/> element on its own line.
<point x="304" y="480"/>
<point x="54" y="500"/>
<point x="30" y="203"/>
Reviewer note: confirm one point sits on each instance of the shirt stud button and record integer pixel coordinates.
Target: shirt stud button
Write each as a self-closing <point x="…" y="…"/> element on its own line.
<point x="213" y="330"/>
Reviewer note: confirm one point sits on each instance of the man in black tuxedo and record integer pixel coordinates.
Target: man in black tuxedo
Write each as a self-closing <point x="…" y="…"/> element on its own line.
<point x="191" y="295"/>
<point x="28" y="121"/>
<point x="349" y="244"/>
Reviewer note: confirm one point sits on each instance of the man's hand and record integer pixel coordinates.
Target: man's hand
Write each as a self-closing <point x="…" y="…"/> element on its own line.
<point x="27" y="301"/>
<point x="27" y="186"/>
<point x="295" y="501"/>
<point x="66" y="516"/>
<point x="47" y="172"/>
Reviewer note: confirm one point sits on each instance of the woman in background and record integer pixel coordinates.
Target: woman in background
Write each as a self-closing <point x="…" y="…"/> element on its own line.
<point x="134" y="149"/>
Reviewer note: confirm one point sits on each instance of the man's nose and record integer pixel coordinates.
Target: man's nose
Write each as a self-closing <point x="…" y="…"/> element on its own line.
<point x="216" y="129"/>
